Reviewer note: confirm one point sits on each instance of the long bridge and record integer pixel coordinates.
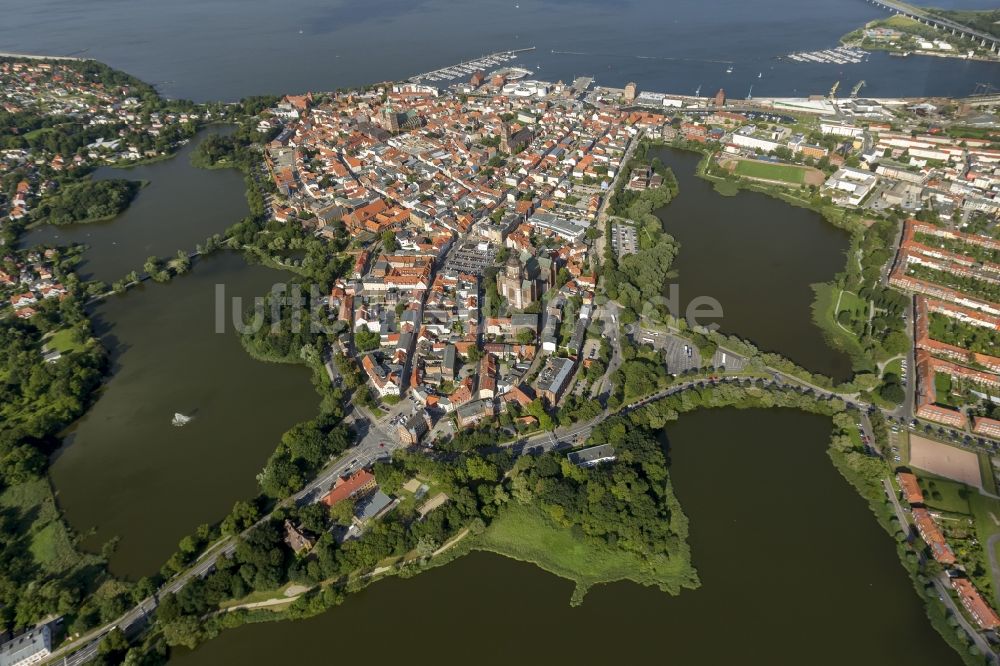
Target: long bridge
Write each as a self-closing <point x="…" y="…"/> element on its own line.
<point x="987" y="40"/>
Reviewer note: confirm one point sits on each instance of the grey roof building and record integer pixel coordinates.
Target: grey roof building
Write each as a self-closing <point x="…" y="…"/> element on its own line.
<point x="523" y="321"/>
<point x="579" y="334"/>
<point x="554" y="379"/>
<point x="372" y="506"/>
<point x="595" y="455"/>
<point x="449" y="363"/>
<point x="29" y="648"/>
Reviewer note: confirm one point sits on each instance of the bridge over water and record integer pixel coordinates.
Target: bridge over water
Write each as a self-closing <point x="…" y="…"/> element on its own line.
<point x="987" y="41"/>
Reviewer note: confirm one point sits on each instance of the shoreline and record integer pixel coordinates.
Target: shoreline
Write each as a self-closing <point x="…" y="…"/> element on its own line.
<point x="33" y="56"/>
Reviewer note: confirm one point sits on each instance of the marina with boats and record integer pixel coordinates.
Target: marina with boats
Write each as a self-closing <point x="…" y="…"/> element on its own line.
<point x="468" y="67"/>
<point x="842" y="55"/>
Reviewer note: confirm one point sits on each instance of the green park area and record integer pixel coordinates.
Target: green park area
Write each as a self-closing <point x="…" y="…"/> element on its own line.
<point x="894" y="367"/>
<point x="942" y="388"/>
<point x="769" y="171"/>
<point x="64" y="341"/>
<point x="525" y="533"/>
<point x="969" y="519"/>
<point x="841" y="314"/>
<point x="39" y="530"/>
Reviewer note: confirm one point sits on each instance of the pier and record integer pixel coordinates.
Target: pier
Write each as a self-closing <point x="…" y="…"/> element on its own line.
<point x="467" y="67"/>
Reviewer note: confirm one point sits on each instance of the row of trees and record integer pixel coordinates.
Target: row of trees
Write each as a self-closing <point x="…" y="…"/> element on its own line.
<point x="37" y="400"/>
<point x="637" y="280"/>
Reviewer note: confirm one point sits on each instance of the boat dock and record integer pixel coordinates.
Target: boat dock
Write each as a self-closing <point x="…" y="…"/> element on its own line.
<point x="467" y="67"/>
<point x="842" y="55"/>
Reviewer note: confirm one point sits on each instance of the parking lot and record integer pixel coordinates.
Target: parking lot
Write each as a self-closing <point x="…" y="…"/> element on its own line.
<point x="623" y="239"/>
<point x="730" y="362"/>
<point x="471" y="257"/>
<point x="591" y="348"/>
<point x="682" y="355"/>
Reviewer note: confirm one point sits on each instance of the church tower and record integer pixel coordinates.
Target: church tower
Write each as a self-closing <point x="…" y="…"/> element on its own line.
<point x="390" y="119"/>
<point x="505" y="135"/>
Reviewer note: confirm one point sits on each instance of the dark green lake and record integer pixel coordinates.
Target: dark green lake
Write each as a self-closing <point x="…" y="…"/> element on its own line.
<point x="757" y="256"/>
<point x="181" y="206"/>
<point x="124" y="469"/>
<point x="794" y="570"/>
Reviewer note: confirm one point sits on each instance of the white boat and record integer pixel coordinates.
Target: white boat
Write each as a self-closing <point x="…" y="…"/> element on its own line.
<point x="729" y="70"/>
<point x="180" y="419"/>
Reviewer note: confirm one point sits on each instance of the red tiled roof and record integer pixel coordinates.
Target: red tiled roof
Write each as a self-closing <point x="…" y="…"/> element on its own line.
<point x="349" y="486"/>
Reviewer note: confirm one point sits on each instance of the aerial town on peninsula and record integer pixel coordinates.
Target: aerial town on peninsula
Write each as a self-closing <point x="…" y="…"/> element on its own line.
<point x="500" y="287"/>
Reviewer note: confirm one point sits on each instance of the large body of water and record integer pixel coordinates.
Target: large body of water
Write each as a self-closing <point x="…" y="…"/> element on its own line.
<point x="124" y="470"/>
<point x="226" y="49"/>
<point x="794" y="570"/>
<point x="757" y="256"/>
<point x="181" y="206"/>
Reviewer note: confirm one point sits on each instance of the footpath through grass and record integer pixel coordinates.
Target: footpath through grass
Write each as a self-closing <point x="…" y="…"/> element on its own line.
<point x="525" y="533"/>
<point x="824" y="315"/>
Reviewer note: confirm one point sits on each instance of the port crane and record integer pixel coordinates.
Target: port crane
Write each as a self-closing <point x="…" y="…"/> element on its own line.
<point x="833" y="90"/>
<point x="857" y="88"/>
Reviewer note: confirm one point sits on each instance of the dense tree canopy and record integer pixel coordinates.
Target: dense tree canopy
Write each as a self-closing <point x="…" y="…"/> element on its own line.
<point x="88" y="200"/>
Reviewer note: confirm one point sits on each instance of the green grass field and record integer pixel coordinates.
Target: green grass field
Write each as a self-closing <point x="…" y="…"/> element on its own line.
<point x="824" y="316"/>
<point x="63" y="341"/>
<point x="903" y="439"/>
<point x="946" y="495"/>
<point x="784" y="172"/>
<point x="41" y="131"/>
<point x="526" y="534"/>
<point x="957" y="499"/>
<point x="727" y="188"/>
<point x="942" y="387"/>
<point x="852" y="303"/>
<point x="48" y="540"/>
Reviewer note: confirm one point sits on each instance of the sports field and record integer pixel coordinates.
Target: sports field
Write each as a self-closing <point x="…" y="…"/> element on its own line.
<point x="768" y="171"/>
<point x="943" y="460"/>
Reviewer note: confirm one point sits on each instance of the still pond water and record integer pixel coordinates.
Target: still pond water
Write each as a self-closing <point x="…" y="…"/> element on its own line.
<point x="180" y="207"/>
<point x="757" y="256"/>
<point x="794" y="570"/>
